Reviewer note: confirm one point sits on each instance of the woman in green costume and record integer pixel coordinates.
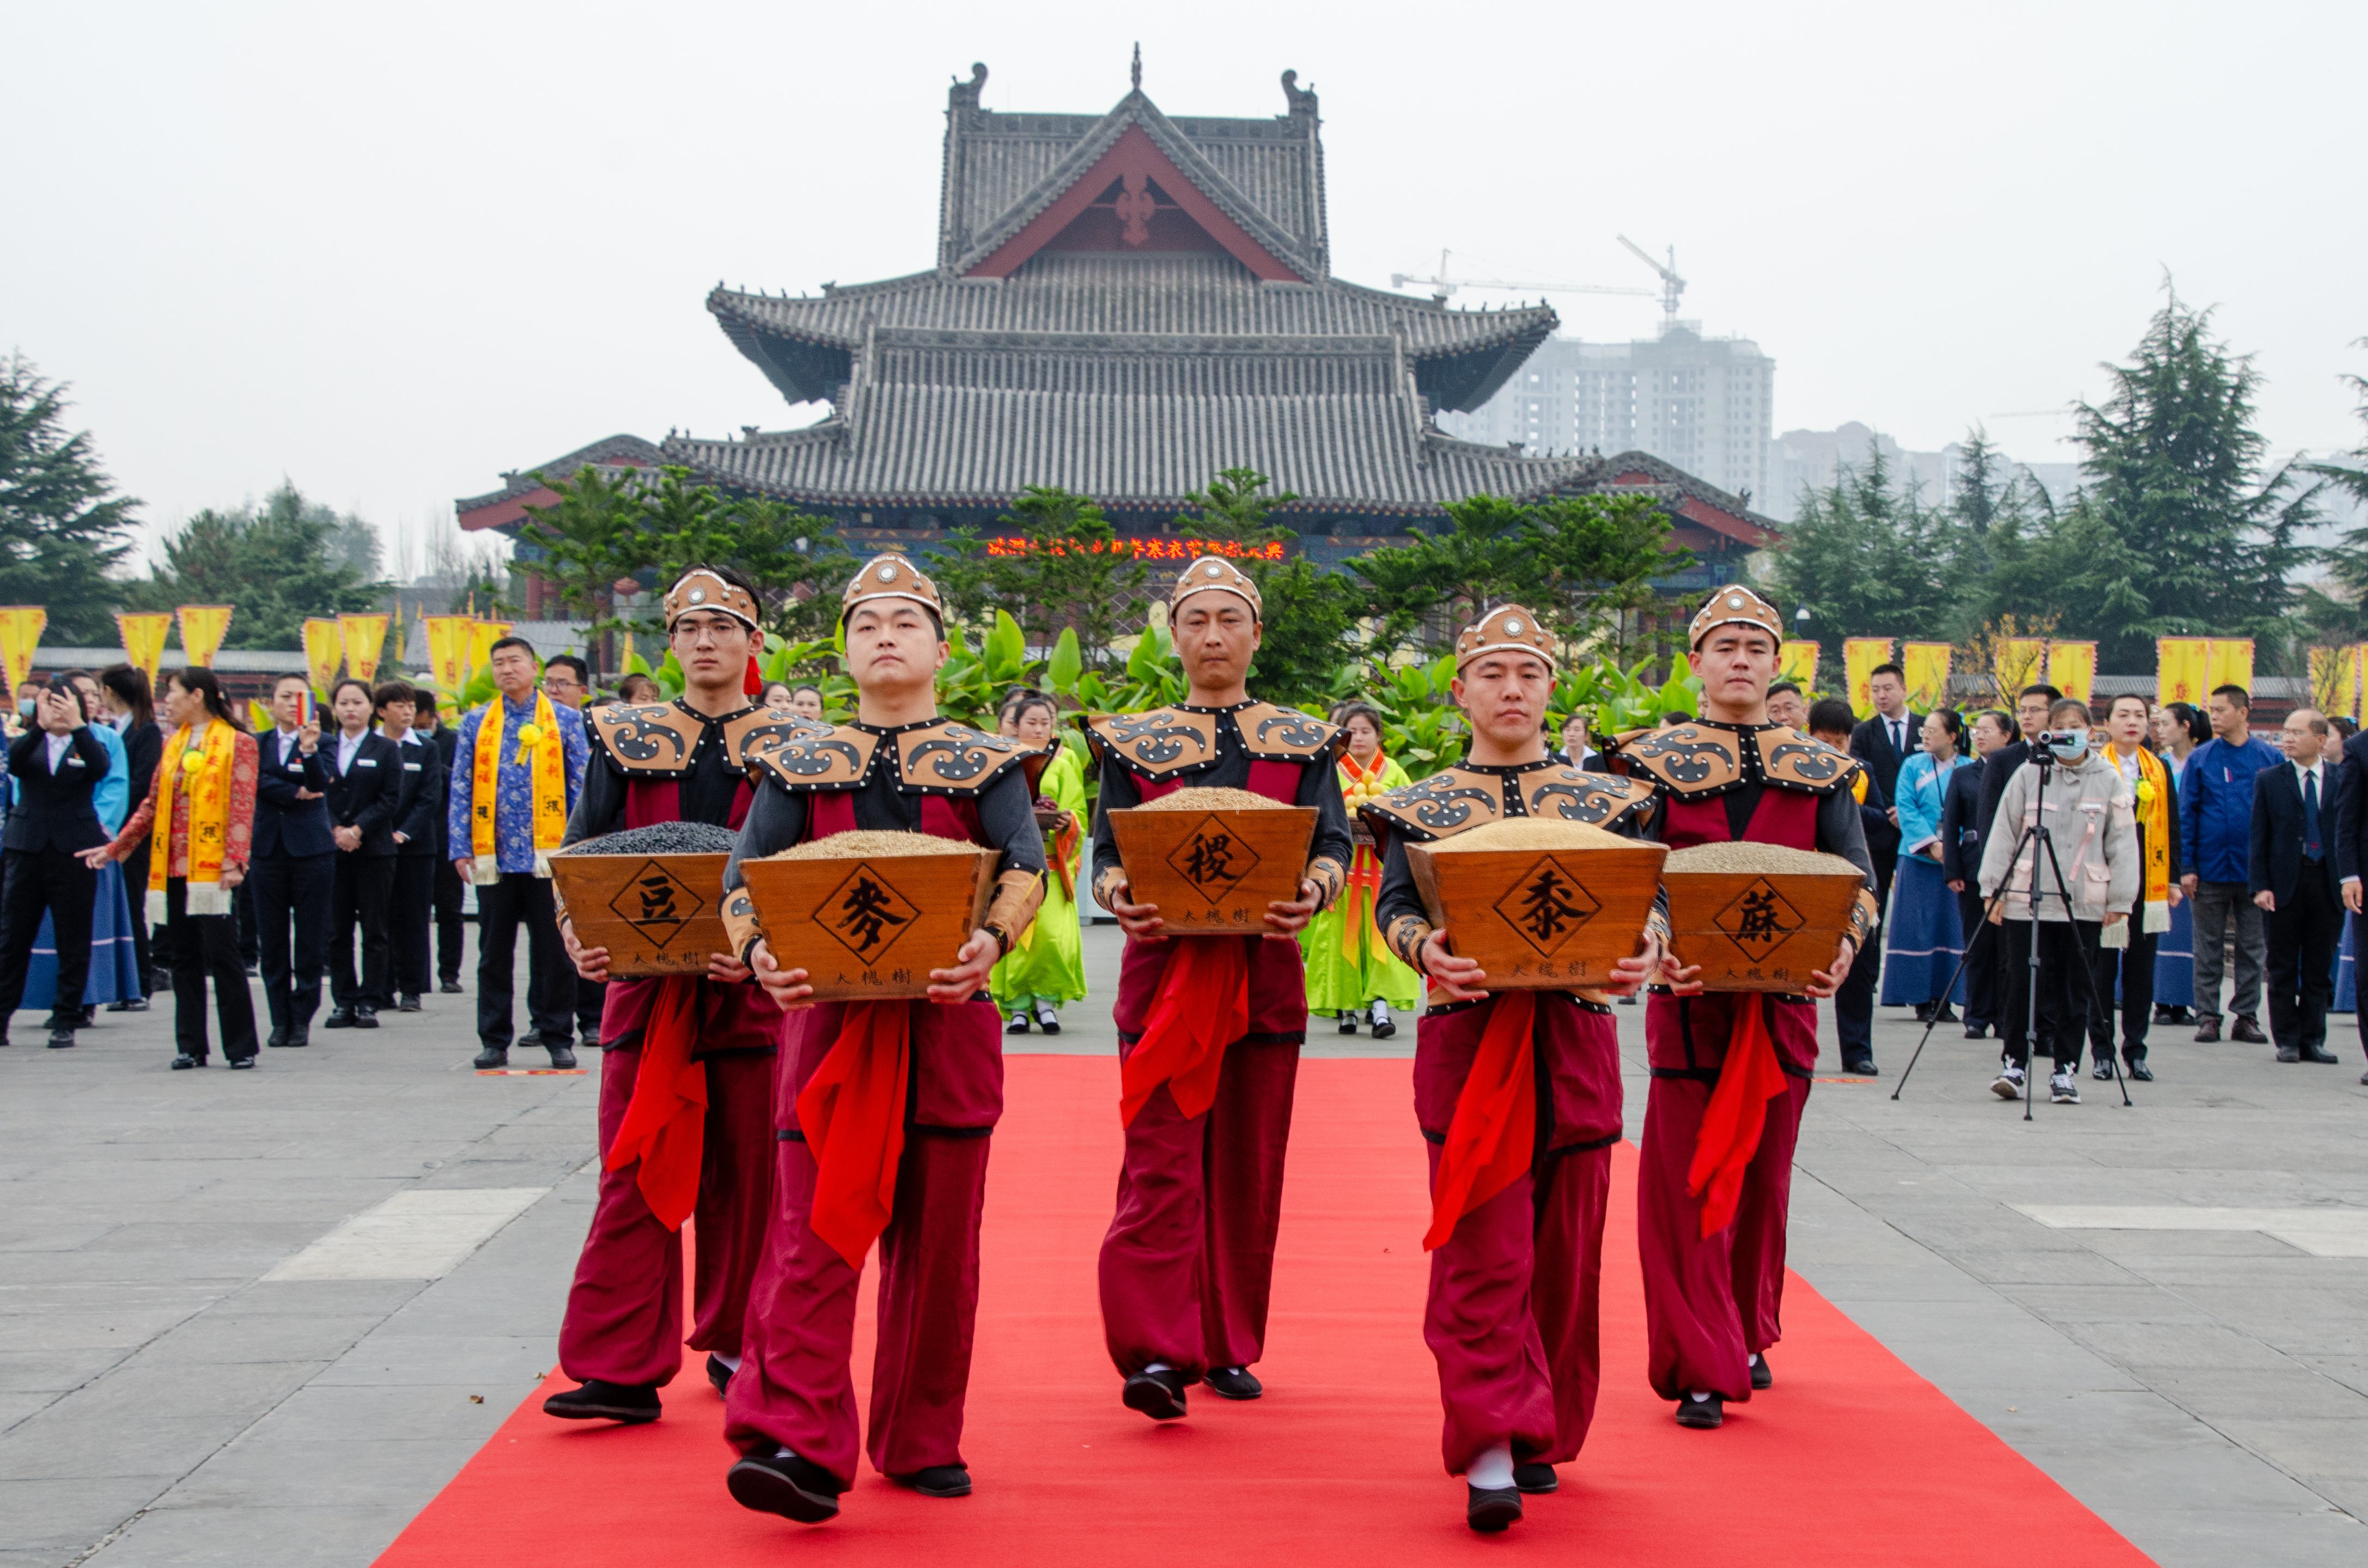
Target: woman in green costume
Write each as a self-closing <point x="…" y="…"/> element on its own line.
<point x="1350" y="970"/>
<point x="1047" y="965"/>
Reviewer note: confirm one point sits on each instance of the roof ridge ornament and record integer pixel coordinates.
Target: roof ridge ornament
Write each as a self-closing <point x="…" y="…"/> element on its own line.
<point x="1136" y="71"/>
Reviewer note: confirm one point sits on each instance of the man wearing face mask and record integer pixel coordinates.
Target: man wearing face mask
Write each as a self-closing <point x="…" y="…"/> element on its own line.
<point x="2087" y="815"/>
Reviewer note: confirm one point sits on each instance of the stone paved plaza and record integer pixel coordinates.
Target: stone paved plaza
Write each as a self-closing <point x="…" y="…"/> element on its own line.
<point x="261" y="1318"/>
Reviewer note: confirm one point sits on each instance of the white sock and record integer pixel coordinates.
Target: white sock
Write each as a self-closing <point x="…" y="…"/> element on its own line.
<point x="1492" y="1469"/>
<point x="1157" y="1367"/>
<point x="731" y="1361"/>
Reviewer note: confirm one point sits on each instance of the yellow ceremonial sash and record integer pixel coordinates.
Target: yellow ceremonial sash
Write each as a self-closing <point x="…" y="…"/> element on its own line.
<point x="546" y="758"/>
<point x="2154" y="815"/>
<point x="1360" y="786"/>
<point x="207" y="785"/>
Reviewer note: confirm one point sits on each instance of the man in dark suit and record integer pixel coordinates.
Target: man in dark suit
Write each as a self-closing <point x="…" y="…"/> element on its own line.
<point x="2292" y="876"/>
<point x="295" y="864"/>
<point x="1829" y="720"/>
<point x="57" y="767"/>
<point x="1961" y="861"/>
<point x="1883" y="742"/>
<point x="421" y="799"/>
<point x="365" y="782"/>
<point x="2352" y="852"/>
<point x="451" y="930"/>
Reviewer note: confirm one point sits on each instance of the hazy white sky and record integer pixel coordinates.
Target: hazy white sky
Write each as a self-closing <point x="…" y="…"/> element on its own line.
<point x="389" y="251"/>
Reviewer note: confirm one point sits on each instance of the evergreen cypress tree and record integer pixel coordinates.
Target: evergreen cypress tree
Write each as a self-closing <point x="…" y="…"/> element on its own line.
<point x="62" y="528"/>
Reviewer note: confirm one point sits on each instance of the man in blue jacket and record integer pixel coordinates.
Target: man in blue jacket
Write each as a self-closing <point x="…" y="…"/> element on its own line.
<point x="2215" y="831"/>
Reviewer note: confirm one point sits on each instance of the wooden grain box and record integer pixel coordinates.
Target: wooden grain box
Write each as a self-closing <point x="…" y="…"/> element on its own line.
<point x="658" y="915"/>
<point x="866" y="928"/>
<point x="1758" y="932"/>
<point x="1214" y="872"/>
<point x="1540" y="919"/>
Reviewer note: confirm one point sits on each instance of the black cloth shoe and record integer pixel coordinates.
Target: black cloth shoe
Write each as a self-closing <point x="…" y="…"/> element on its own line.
<point x="62" y="1038"/>
<point x="1923" y="1012"/>
<point x="1860" y="1066"/>
<point x="339" y="1018"/>
<point x="1977" y="1032"/>
<point x="562" y="1057"/>
<point x="1761" y="1378"/>
<point x="2315" y="1053"/>
<point x="1047" y="1019"/>
<point x="491" y="1057"/>
<point x="1233" y="1383"/>
<point x="129" y="1004"/>
<point x="719" y="1376"/>
<point x="785" y="1485"/>
<point x="2248" y="1031"/>
<point x="184" y="1061"/>
<point x="447" y="987"/>
<point x="1492" y="1509"/>
<point x="2207" y="1029"/>
<point x="407" y="1003"/>
<point x="632" y="1403"/>
<point x="1159" y="1395"/>
<point x="1701" y="1411"/>
<point x="1347" y="1021"/>
<point x="1017" y="1024"/>
<point x="365" y="1016"/>
<point x="2139" y="1070"/>
<point x="1944" y="1014"/>
<point x="937" y="1481"/>
<point x="1535" y="1478"/>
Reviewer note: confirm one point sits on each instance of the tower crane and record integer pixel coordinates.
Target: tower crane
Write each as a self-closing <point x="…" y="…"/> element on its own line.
<point x="1673" y="286"/>
<point x="1444" y="283"/>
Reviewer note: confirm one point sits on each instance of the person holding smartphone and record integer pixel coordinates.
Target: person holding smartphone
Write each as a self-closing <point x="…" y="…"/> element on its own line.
<point x="56" y="766"/>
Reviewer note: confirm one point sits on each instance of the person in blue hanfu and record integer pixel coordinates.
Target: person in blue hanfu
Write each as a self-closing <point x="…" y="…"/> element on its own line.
<point x="1924" y="939"/>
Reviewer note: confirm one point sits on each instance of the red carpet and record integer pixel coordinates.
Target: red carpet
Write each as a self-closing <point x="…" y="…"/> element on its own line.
<point x="1850" y="1458"/>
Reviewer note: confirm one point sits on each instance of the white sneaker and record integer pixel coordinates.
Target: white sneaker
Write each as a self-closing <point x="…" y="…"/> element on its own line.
<point x="2009" y="1083"/>
<point x="2063" y="1088"/>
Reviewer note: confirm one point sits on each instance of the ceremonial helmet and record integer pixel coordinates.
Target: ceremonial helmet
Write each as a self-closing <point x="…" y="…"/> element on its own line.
<point x="1211" y="574"/>
<point x="1734" y="604"/>
<point x="1506" y="629"/>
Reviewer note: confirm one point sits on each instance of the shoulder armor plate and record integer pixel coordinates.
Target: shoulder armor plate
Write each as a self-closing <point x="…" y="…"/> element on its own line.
<point x="1575" y="795"/>
<point x="1791" y="760"/>
<point x="1690" y="761"/>
<point x="827" y="756"/>
<point x="1157" y="744"/>
<point x="947" y="759"/>
<point x="659" y="738"/>
<point x="760" y="730"/>
<point x="1446" y="803"/>
<point x="1283" y="734"/>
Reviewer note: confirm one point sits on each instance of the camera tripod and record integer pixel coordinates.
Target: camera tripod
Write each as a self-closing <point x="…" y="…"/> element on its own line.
<point x="2037" y="835"/>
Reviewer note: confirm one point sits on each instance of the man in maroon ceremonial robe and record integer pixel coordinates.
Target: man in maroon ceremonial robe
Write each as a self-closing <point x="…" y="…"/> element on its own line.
<point x="1730" y="1069"/>
<point x="687" y="1073"/>
<point x="1517" y="1093"/>
<point x="884" y="1109"/>
<point x="1209" y="1028"/>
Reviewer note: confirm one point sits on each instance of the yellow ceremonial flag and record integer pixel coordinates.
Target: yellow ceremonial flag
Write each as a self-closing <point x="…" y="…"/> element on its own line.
<point x="2331" y="672"/>
<point x="483" y="635"/>
<point x="1798" y="661"/>
<point x="2180" y="670"/>
<point x="365" y="644"/>
<point x="2355" y="661"/>
<point x="447" y="651"/>
<point x="2228" y="661"/>
<point x="624" y="650"/>
<point x="2015" y="663"/>
<point x="2072" y="668"/>
<point x="259" y="717"/>
<point x="1860" y="656"/>
<point x="324" y="650"/>
<point x="144" y="640"/>
<point x="1927" y="665"/>
<point x="203" y="627"/>
<point x="20" y="633"/>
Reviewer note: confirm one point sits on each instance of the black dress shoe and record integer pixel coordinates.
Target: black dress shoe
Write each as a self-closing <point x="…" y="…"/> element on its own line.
<point x="2207" y="1029"/>
<point x="407" y="1003"/>
<point x="1159" y="1395"/>
<point x="1923" y="1012"/>
<point x="129" y="1004"/>
<point x="719" y="1376"/>
<point x="1347" y="1022"/>
<point x="339" y="1018"/>
<point x="2139" y="1070"/>
<point x="2313" y="1053"/>
<point x="491" y="1057"/>
<point x="562" y="1057"/>
<point x="1761" y="1378"/>
<point x="632" y="1403"/>
<point x="276" y="1038"/>
<point x="937" y="1481"/>
<point x="1977" y="1032"/>
<point x="1535" y="1478"/>
<point x="298" y="1036"/>
<point x="1701" y="1411"/>
<point x="365" y="1016"/>
<point x="1492" y="1508"/>
<point x="62" y="1038"/>
<point x="1233" y="1383"/>
<point x="447" y="987"/>
<point x="785" y="1485"/>
<point x="238" y="1062"/>
<point x="2289" y="1053"/>
<point x="184" y="1061"/>
<point x="2248" y="1031"/>
<point x="1860" y="1067"/>
<point x="1944" y="1014"/>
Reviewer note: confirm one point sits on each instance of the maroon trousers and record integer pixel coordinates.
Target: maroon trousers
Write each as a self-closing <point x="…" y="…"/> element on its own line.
<point x="1513" y="1316"/>
<point x="1712" y="1303"/>
<point x="624" y="1310"/>
<point x="794" y="1386"/>
<point x="1189" y="1261"/>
